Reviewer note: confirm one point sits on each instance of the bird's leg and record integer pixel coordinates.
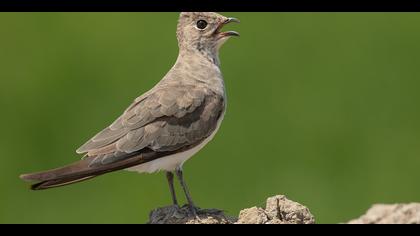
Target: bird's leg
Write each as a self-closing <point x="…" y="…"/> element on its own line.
<point x="170" y="178"/>
<point x="179" y="174"/>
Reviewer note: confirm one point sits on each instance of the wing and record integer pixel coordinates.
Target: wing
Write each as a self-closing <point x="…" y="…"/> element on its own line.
<point x="166" y="119"/>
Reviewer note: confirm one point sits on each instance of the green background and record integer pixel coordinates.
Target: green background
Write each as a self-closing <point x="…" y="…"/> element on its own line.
<point x="323" y="107"/>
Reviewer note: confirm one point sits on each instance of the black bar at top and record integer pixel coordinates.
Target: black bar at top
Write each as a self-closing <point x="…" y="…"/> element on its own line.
<point x="210" y="5"/>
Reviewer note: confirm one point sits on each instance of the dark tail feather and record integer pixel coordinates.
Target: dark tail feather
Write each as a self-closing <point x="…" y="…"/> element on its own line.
<point x="82" y="170"/>
<point x="57" y="183"/>
<point x="69" y="174"/>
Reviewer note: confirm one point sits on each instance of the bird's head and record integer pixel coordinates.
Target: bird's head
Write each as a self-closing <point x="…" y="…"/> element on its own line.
<point x="202" y="31"/>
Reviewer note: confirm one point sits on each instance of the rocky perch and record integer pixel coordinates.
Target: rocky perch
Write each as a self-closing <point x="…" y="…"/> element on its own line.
<point x="280" y="210"/>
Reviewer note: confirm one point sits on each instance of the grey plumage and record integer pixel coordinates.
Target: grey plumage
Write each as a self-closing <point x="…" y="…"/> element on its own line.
<point x="167" y="119"/>
<point x="179" y="113"/>
<point x="159" y="124"/>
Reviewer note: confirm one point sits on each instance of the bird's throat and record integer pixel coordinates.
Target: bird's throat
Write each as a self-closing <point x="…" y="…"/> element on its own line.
<point x="201" y="53"/>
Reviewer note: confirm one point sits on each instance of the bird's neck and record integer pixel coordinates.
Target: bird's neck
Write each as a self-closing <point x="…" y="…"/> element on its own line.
<point x="202" y="54"/>
<point x="198" y="68"/>
<point x="203" y="63"/>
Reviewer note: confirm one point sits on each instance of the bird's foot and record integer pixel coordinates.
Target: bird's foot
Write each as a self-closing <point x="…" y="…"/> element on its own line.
<point x="194" y="211"/>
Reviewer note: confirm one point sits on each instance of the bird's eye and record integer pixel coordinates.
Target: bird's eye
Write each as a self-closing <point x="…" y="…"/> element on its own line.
<point x="201" y="24"/>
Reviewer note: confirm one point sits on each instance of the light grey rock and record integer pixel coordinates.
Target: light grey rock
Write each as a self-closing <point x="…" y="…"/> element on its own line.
<point x="278" y="210"/>
<point x="390" y="214"/>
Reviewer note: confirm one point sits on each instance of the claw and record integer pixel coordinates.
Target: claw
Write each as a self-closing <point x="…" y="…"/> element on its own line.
<point x="193" y="211"/>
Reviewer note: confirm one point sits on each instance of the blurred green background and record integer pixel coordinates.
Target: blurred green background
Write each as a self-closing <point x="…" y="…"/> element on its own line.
<point x="323" y="107"/>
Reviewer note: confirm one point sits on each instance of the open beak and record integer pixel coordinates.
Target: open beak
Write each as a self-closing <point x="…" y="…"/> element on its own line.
<point x="227" y="33"/>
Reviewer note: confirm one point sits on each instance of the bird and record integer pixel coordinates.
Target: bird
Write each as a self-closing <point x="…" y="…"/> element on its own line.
<point x="167" y="125"/>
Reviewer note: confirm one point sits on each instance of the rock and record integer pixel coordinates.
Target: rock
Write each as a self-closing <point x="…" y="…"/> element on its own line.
<point x="390" y="214"/>
<point x="253" y="215"/>
<point x="278" y="210"/>
<point x="175" y="215"/>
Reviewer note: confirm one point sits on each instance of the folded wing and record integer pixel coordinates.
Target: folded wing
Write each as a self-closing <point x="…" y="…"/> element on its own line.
<point x="168" y="119"/>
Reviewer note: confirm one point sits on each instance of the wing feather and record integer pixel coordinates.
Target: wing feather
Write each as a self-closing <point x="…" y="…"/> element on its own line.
<point x="164" y="119"/>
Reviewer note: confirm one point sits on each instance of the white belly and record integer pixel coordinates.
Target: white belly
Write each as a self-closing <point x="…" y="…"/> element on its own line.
<point x="170" y="163"/>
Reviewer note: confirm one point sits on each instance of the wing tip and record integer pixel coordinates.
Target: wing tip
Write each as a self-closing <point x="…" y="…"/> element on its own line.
<point x="80" y="150"/>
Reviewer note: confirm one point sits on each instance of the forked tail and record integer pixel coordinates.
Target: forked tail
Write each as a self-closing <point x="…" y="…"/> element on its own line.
<point x="82" y="170"/>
